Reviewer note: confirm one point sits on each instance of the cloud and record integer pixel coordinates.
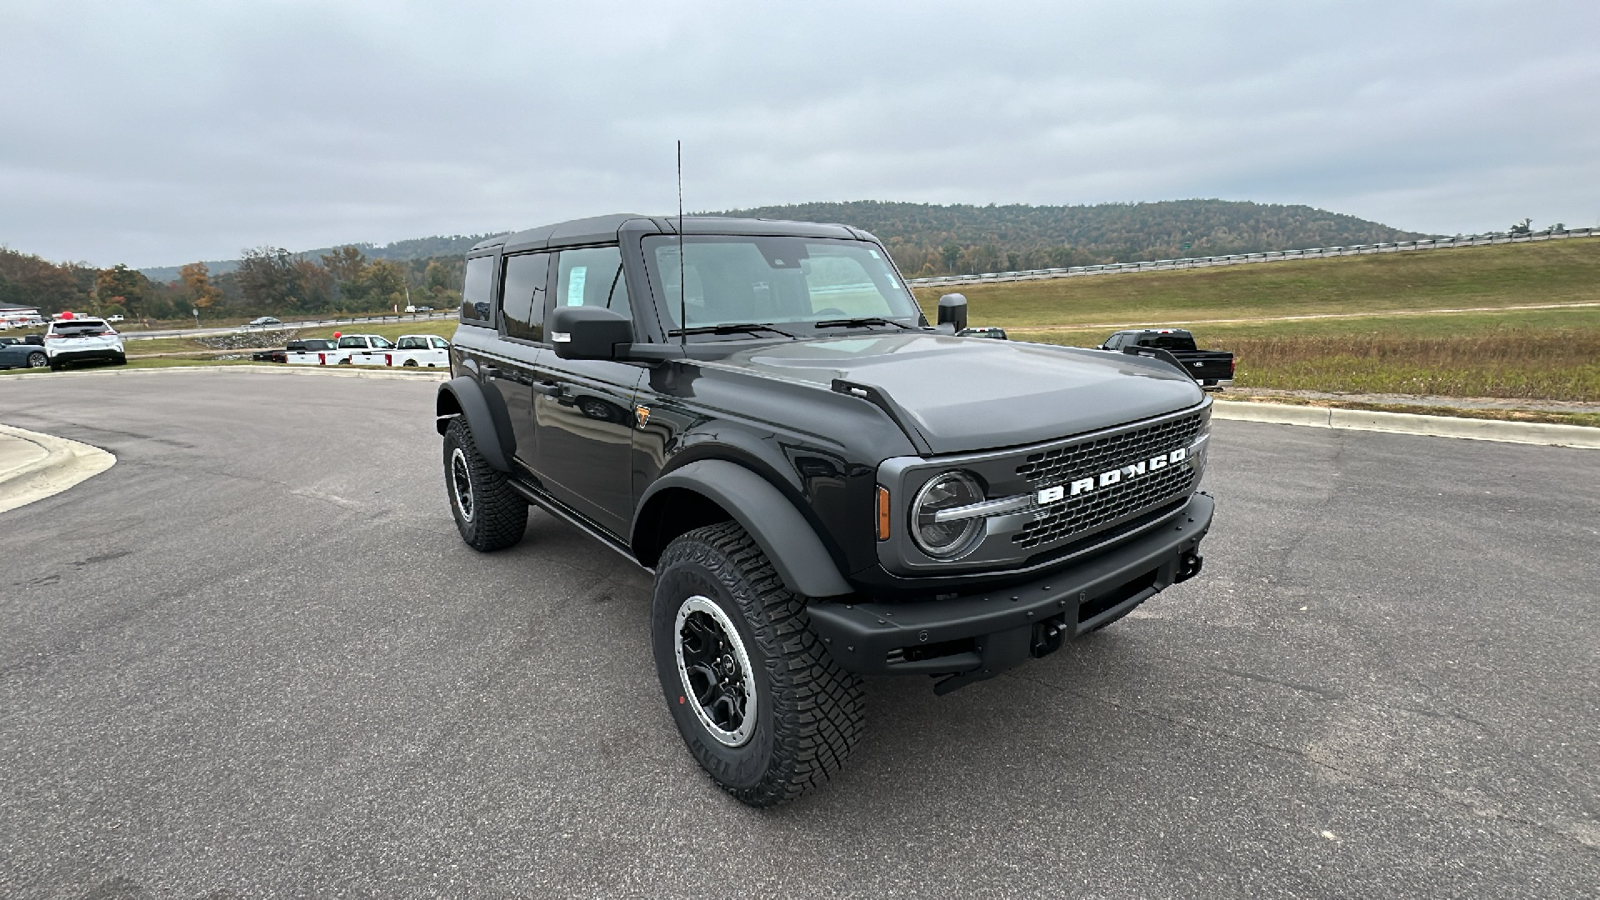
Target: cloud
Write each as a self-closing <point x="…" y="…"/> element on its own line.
<point x="160" y="133"/>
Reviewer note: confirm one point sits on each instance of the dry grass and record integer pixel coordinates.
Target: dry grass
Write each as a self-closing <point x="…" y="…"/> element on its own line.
<point x="1562" y="365"/>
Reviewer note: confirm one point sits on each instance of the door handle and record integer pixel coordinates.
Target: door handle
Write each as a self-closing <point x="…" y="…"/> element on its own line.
<point x="549" y="388"/>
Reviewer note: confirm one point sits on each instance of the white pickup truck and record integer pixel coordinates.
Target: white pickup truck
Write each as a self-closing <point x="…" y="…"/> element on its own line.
<point x="409" y="350"/>
<point x="349" y="345"/>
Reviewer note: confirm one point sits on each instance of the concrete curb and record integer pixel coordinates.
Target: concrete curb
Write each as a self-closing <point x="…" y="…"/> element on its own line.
<point x="336" y="371"/>
<point x="1542" y="433"/>
<point x="56" y="465"/>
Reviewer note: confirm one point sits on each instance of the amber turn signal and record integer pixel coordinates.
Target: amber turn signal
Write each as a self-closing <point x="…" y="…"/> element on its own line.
<point x="883" y="513"/>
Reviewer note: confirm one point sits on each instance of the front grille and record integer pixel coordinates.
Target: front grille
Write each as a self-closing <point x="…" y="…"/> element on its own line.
<point x="1063" y="464"/>
<point x="1089" y="511"/>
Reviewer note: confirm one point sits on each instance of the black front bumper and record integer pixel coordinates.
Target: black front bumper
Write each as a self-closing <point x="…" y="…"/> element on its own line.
<point x="975" y="636"/>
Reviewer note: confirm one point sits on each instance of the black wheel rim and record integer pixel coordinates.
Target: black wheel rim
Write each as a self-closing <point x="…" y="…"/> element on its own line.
<point x="461" y="483"/>
<point x="718" y="682"/>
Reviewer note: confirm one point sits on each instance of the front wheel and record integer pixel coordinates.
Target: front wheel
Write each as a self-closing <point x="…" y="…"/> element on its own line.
<point x="488" y="513"/>
<point x="760" y="703"/>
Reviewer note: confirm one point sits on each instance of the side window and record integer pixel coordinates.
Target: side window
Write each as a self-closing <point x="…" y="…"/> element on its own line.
<point x="475" y="293"/>
<point x="522" y="295"/>
<point x="592" y="277"/>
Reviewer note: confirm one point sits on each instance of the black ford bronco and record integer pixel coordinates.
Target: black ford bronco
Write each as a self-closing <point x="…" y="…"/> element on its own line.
<point x="823" y="485"/>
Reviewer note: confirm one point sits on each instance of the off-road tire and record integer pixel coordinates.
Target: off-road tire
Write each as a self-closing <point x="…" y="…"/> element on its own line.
<point x="497" y="516"/>
<point x="808" y="713"/>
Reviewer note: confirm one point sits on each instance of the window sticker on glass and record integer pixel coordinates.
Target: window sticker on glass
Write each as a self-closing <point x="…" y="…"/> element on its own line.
<point x="575" y="285"/>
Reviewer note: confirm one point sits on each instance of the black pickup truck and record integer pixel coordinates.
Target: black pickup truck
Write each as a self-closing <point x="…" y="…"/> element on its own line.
<point x="1212" y="368"/>
<point x="822" y="485"/>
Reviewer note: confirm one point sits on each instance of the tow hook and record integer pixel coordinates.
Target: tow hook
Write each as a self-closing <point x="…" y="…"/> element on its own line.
<point x="1189" y="567"/>
<point x="1048" y="636"/>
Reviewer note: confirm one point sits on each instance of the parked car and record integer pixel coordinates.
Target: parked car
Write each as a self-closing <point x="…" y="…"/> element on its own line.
<point x="410" y="351"/>
<point x="26" y="353"/>
<point x="263" y="321"/>
<point x="75" y="340"/>
<point x="351" y="344"/>
<point x="1212" y="368"/>
<point x="309" y="351"/>
<point x="295" y="346"/>
<point x="991" y="331"/>
<point x="821" y="484"/>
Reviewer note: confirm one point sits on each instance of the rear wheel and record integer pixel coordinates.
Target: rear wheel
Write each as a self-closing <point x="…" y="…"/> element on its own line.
<point x="758" y="700"/>
<point x="488" y="513"/>
<point x="410" y="362"/>
<point x="37" y="360"/>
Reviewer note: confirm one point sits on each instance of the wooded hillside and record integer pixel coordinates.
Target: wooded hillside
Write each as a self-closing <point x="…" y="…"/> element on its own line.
<point x="968" y="240"/>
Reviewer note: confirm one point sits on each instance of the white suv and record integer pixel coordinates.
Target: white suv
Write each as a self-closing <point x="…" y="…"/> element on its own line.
<point x="75" y="340"/>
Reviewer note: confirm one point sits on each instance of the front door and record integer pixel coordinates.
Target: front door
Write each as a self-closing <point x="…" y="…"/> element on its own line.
<point x="585" y="408"/>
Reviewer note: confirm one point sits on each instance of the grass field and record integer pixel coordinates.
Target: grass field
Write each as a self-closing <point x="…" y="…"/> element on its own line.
<point x="1386" y="340"/>
<point x="1508" y="275"/>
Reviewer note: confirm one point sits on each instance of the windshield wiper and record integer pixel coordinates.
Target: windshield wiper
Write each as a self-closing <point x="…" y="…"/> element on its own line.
<point x="731" y="328"/>
<point x="864" y="320"/>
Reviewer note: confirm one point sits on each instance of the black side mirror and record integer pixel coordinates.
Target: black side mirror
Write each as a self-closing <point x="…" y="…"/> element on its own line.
<point x="952" y="312"/>
<point x="588" y="332"/>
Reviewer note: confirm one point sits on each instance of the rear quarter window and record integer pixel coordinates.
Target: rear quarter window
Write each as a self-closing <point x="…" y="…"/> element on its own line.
<point x="477" y="291"/>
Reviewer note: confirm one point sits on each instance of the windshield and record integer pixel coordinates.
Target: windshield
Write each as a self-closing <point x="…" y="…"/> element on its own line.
<point x="775" y="280"/>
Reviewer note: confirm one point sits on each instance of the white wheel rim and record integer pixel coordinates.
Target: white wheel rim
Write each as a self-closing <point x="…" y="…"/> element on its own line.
<point x="726" y="684"/>
<point x="461" y="484"/>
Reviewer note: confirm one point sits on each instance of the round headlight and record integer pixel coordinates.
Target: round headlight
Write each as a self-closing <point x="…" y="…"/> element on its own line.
<point x="953" y="537"/>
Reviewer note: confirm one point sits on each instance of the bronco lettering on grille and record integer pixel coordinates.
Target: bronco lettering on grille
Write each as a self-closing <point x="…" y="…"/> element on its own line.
<point x="1106" y="479"/>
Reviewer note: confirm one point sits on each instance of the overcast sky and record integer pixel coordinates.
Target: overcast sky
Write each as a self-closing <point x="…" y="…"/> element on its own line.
<point x="165" y="132"/>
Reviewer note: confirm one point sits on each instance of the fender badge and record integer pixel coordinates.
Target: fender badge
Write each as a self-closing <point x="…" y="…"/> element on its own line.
<point x="641" y="414"/>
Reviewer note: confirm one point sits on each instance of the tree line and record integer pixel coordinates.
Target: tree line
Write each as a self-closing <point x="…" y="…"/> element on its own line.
<point x="925" y="240"/>
<point x="268" y="280"/>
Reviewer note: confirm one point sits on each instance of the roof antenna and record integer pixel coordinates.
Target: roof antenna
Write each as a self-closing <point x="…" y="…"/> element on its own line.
<point x="683" y="304"/>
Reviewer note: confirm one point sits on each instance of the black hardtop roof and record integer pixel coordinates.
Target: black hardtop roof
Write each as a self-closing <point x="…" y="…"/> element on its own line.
<point x="602" y="229"/>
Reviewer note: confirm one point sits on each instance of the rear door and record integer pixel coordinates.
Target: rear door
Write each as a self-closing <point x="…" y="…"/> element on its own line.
<point x="524" y="285"/>
<point x="585" y="408"/>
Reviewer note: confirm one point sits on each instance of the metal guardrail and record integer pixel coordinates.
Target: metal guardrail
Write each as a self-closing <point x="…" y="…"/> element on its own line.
<point x="1201" y="262"/>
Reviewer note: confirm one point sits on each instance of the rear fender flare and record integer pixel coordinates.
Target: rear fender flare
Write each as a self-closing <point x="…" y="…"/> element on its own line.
<point x="783" y="534"/>
<point x="486" y="416"/>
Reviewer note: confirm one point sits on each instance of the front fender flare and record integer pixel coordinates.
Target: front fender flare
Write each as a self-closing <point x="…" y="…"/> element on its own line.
<point x="486" y="416"/>
<point x="767" y="515"/>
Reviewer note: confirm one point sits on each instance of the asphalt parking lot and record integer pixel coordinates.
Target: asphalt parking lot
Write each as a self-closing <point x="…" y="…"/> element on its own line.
<point x="254" y="658"/>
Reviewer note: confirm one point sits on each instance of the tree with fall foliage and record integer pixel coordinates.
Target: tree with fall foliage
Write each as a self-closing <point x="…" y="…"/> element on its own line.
<point x="196" y="278"/>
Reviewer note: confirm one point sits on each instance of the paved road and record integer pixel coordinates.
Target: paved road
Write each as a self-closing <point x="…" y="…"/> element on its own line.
<point x="255" y="659"/>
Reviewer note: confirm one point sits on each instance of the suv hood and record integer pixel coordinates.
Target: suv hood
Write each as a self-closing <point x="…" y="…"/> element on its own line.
<point x="967" y="394"/>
